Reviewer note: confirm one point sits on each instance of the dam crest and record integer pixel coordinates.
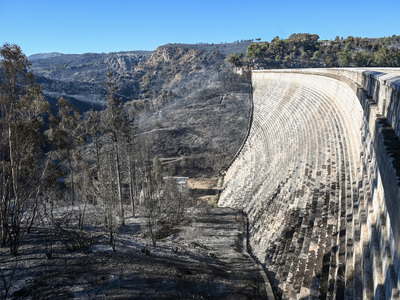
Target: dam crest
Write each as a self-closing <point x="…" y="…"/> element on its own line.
<point x="318" y="178"/>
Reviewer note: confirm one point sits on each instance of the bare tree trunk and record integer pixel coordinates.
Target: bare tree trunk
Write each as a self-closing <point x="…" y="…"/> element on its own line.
<point x="5" y="210"/>
<point x="119" y="183"/>
<point x="110" y="223"/>
<point x="152" y="234"/>
<point x="82" y="211"/>
<point x="4" y="192"/>
<point x="16" y="211"/>
<point x="132" y="186"/>
<point x="72" y="179"/>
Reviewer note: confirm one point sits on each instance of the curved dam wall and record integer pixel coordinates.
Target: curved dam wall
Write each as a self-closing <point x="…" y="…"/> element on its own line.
<point x="318" y="178"/>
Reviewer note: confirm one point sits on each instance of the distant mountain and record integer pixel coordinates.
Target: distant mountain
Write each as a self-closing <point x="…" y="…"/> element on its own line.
<point x="82" y="77"/>
<point x="140" y="73"/>
<point x="44" y="55"/>
<point x="88" y="67"/>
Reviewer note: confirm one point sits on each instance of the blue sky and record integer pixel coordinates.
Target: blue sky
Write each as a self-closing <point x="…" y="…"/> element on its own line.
<point x="71" y="26"/>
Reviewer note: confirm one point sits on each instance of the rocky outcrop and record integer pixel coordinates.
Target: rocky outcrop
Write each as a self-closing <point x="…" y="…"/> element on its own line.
<point x="318" y="179"/>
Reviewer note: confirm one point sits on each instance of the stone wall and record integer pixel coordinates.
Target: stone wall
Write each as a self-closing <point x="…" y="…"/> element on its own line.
<point x="318" y="178"/>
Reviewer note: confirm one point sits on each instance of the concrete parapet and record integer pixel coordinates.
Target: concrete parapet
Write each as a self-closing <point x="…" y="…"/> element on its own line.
<point x="318" y="178"/>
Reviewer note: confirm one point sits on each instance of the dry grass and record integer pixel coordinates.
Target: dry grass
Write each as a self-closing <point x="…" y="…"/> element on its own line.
<point x="211" y="200"/>
<point x="203" y="183"/>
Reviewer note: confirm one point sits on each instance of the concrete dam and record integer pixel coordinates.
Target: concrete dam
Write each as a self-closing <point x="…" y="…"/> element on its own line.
<point x="318" y="177"/>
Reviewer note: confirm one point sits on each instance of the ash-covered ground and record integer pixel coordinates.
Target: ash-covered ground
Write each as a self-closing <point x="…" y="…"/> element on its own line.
<point x="204" y="258"/>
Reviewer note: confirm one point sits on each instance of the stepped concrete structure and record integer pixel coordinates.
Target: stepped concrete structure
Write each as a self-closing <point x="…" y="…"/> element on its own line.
<point x="318" y="178"/>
